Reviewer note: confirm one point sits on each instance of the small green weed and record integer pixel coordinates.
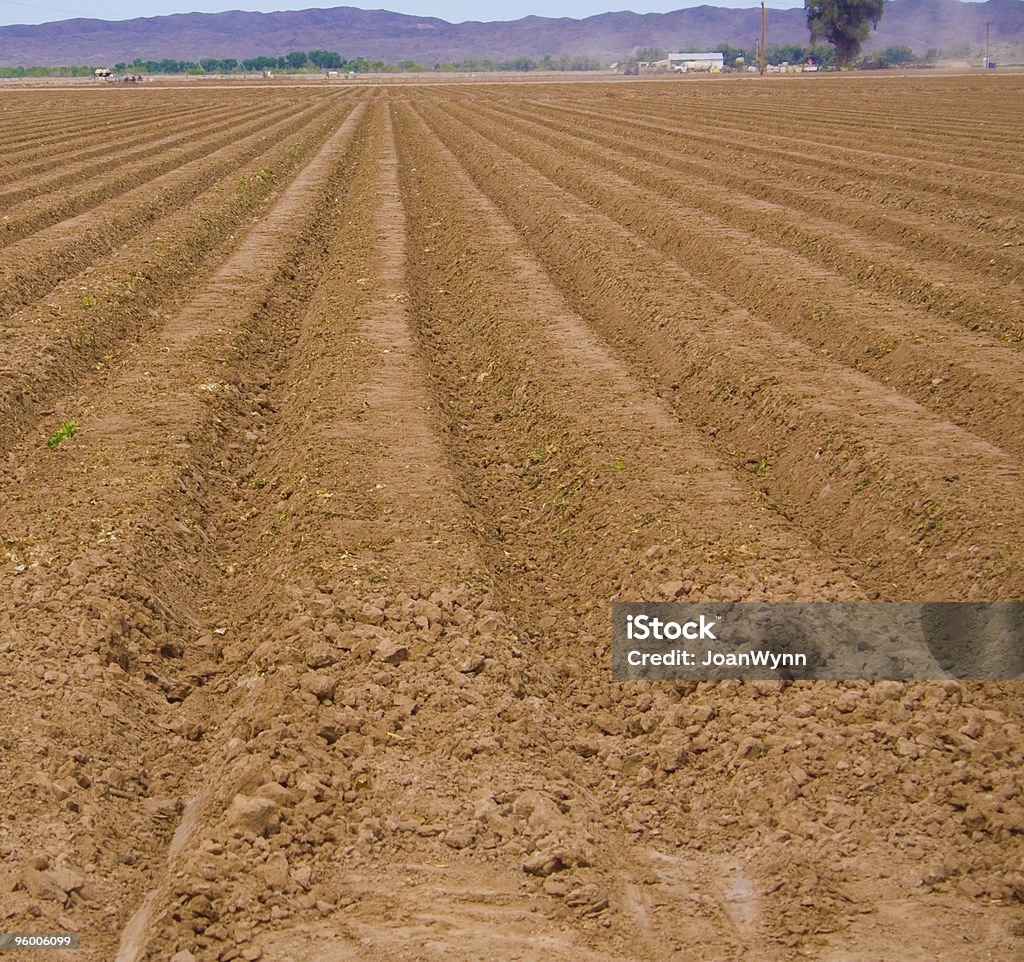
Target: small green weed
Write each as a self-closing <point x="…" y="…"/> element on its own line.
<point x="66" y="430"/>
<point x="536" y="456"/>
<point x="884" y="345"/>
<point x="618" y="464"/>
<point x="88" y="301"/>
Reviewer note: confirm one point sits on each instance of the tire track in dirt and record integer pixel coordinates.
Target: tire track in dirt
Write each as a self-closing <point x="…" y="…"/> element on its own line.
<point x="821" y="445"/>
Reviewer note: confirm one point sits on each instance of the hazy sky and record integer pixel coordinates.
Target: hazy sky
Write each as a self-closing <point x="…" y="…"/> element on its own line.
<point x="25" y="11"/>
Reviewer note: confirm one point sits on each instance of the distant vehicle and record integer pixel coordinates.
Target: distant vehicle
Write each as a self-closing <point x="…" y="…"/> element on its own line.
<point x="103" y="73"/>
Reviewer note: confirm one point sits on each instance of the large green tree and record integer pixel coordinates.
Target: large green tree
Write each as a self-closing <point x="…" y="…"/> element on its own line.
<point x="843" y="23"/>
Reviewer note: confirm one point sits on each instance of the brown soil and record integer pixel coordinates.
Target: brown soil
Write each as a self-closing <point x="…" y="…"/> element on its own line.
<point x="382" y="397"/>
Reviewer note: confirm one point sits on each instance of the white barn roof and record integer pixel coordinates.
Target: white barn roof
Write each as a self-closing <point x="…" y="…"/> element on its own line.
<point x="696" y="56"/>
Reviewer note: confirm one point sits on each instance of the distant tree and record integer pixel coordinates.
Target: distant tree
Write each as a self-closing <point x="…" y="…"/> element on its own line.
<point x="209" y="64"/>
<point x="297" y="59"/>
<point x="843" y="23"/>
<point x="120" y="67"/>
<point x="784" y="53"/>
<point x="891" y="56"/>
<point x="521" y="64"/>
<point x="325" y="59"/>
<point x="228" y="64"/>
<point x="261" y="63"/>
<point x="650" y="54"/>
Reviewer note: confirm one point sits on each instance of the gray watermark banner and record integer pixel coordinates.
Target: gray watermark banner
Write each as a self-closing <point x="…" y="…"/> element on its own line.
<point x="925" y="641"/>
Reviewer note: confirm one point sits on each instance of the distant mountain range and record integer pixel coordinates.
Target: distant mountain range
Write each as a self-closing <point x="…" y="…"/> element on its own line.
<point x="392" y="37"/>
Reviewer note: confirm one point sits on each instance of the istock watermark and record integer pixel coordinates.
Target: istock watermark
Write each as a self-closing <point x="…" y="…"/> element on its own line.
<point x="664" y="641"/>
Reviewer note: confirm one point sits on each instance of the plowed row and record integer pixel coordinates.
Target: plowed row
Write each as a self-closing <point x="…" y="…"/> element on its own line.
<point x="383" y="397"/>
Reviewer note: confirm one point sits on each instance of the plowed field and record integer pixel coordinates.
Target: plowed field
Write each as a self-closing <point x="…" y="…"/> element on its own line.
<point x="381" y="396"/>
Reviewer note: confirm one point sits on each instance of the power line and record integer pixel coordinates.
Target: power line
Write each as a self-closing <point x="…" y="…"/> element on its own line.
<point x="38" y="6"/>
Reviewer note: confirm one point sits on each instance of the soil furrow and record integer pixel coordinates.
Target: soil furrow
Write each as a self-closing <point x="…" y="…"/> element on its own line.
<point x="870" y="106"/>
<point x="368" y="757"/>
<point x="24" y="150"/>
<point x="917" y="233"/>
<point x="151" y="512"/>
<point x="890" y="133"/>
<point x="972" y="380"/>
<point x="583" y="475"/>
<point x="316" y="489"/>
<point x="954" y="191"/>
<point x="34" y="265"/>
<point x="777" y="406"/>
<point x="81" y="168"/>
<point x="77" y="149"/>
<point x="505" y="348"/>
<point x="89" y="321"/>
<point x="68" y="212"/>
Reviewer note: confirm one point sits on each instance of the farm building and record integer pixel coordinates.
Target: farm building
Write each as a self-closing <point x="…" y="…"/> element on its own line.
<point x="696" y="61"/>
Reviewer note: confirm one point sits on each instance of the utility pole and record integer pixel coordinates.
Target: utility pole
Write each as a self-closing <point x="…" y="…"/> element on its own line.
<point x="988" y="28"/>
<point x="762" y="38"/>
